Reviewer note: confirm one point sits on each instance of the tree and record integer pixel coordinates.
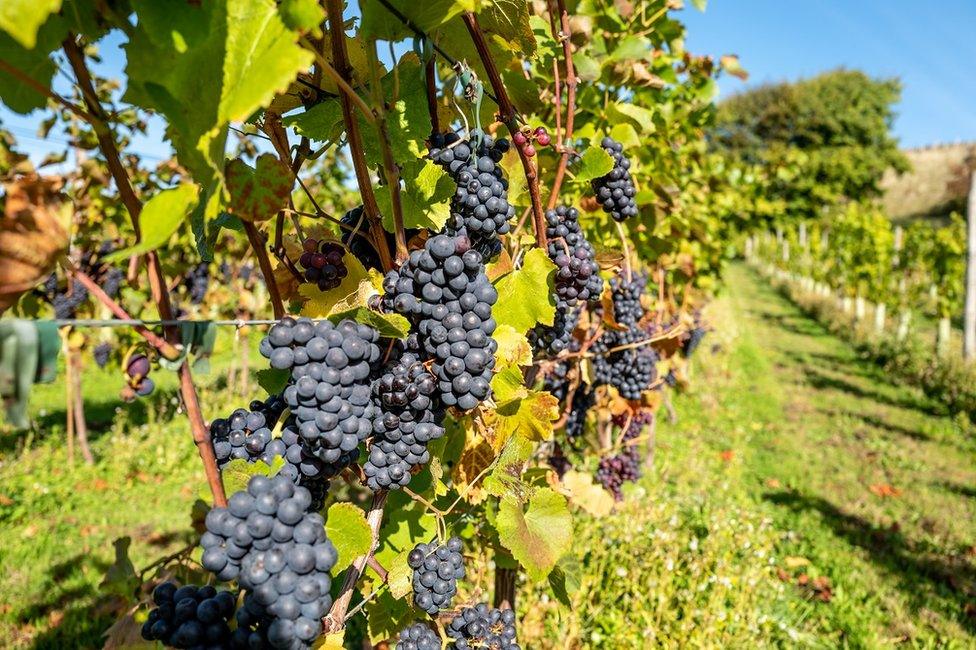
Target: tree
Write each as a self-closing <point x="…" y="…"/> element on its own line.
<point x="826" y="139"/>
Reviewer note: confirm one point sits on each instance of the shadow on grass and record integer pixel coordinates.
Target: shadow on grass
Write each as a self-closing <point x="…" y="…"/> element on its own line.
<point x="76" y="615"/>
<point x="916" y="566"/>
<point x="962" y="490"/>
<point x="794" y="323"/>
<point x="823" y="381"/>
<point x="839" y="364"/>
<point x="879" y="423"/>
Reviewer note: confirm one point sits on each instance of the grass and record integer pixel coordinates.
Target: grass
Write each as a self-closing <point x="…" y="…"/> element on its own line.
<point x="870" y="487"/>
<point x="58" y="521"/>
<point x="800" y="499"/>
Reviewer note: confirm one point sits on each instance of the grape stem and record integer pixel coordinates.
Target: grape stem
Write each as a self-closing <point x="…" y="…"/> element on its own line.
<point x="341" y="74"/>
<point x="565" y="140"/>
<point x="35" y="85"/>
<point x="509" y="117"/>
<point x="390" y="168"/>
<point x="165" y="348"/>
<point x="430" y="77"/>
<point x="336" y="618"/>
<point x="260" y="250"/>
<point x="157" y="282"/>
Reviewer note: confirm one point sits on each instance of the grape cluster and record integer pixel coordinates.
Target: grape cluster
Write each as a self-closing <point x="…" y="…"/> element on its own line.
<point x="329" y="393"/>
<point x="65" y="304"/>
<point x="483" y="627"/>
<point x="268" y="541"/>
<point x="357" y="238"/>
<point x="613" y="471"/>
<point x="629" y="369"/>
<point x="406" y="419"/>
<point x="616" y="190"/>
<point x="694" y="339"/>
<point x="197" y="281"/>
<point x="247" y="434"/>
<point x="418" y="637"/>
<point x="626" y="295"/>
<point x="621" y="357"/>
<point x="322" y="262"/>
<point x="578" y="276"/>
<point x="101" y="353"/>
<point x="190" y="617"/>
<point x="480" y="207"/>
<point x="583" y="400"/>
<point x="444" y="292"/>
<point x="137" y="372"/>
<point x="577" y="279"/>
<point x="559" y="463"/>
<point x="436" y="570"/>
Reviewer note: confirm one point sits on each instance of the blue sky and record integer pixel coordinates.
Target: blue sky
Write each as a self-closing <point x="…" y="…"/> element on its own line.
<point x="929" y="46"/>
<point x="931" y="49"/>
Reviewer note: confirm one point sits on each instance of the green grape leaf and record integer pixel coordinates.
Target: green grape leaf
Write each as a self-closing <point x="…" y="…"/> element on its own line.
<point x="518" y="187"/>
<point x="346" y="527"/>
<point x="530" y="416"/>
<point x="387" y="615"/>
<point x="257" y="193"/>
<point x="392" y="326"/>
<point x="700" y="5"/>
<point x="379" y="22"/>
<point x="224" y="61"/>
<point x="273" y="380"/>
<point x="425" y="198"/>
<point x="23" y="18"/>
<point x="506" y="478"/>
<point x="322" y="122"/>
<point x="399" y="575"/>
<point x="301" y="15"/>
<point x="625" y="134"/>
<point x="631" y="48"/>
<point x="34" y="62"/>
<point x="404" y="528"/>
<point x="160" y="218"/>
<point x="639" y="117"/>
<point x="507" y="385"/>
<point x="565" y="579"/>
<point x="513" y="348"/>
<point x="236" y="474"/>
<point x="594" y="163"/>
<point x="538" y="536"/>
<point x="525" y="294"/>
<point x="587" y="68"/>
<point x="121" y="578"/>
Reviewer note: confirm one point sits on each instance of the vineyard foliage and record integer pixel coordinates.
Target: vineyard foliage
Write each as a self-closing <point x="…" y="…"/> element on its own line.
<point x="388" y="171"/>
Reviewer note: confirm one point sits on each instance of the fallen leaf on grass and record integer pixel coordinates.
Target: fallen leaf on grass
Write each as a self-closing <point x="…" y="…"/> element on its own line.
<point x="728" y="455"/>
<point x="884" y="490"/>
<point x="773" y="483"/>
<point x="794" y="561"/>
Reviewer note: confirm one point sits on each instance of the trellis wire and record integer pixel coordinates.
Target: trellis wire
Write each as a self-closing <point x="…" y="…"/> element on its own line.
<point x="122" y="322"/>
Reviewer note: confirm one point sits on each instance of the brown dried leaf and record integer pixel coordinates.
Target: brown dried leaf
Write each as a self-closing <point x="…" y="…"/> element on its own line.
<point x="35" y="230"/>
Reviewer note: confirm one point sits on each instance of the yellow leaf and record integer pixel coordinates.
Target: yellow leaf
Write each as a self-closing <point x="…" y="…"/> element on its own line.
<point x="584" y="493"/>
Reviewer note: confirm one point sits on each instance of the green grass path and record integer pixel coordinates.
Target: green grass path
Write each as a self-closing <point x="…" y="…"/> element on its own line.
<point x="872" y="488"/>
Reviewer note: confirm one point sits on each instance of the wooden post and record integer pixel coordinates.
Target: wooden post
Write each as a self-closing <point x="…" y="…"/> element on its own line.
<point x="969" y="320"/>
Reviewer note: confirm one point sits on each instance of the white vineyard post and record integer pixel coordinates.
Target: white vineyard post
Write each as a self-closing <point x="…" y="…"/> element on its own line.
<point x="942" y="336"/>
<point x="880" y="316"/>
<point x="904" y="322"/>
<point x="969" y="319"/>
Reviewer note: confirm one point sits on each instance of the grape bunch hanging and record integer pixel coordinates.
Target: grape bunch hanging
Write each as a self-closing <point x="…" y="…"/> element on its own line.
<point x="615" y="191"/>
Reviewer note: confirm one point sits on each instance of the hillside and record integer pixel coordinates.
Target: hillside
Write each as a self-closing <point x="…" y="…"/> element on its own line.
<point x="936" y="186"/>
